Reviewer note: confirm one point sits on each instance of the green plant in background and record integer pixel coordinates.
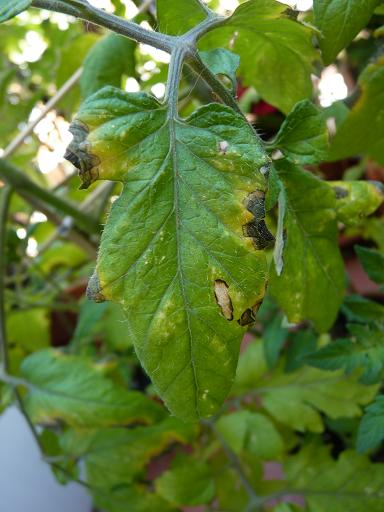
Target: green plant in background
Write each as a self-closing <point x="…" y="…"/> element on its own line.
<point x="206" y="216"/>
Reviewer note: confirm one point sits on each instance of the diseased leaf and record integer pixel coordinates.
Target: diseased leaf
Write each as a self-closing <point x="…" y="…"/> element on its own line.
<point x="222" y="62"/>
<point x="303" y="136"/>
<point x="362" y="131"/>
<point x="253" y="433"/>
<point x="118" y="456"/>
<point x="188" y="483"/>
<point x="311" y="284"/>
<point x="74" y="390"/>
<point x="364" y="351"/>
<point x="276" y="51"/>
<point x="10" y="8"/>
<point x="192" y="208"/>
<point x="352" y="482"/>
<point x="371" y="428"/>
<point x="297" y="399"/>
<point x="177" y="17"/>
<point x="356" y="200"/>
<point x="107" y="61"/>
<point x="373" y="263"/>
<point x="339" y="22"/>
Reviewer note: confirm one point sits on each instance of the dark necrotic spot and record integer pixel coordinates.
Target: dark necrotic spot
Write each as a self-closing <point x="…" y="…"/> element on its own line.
<point x="340" y="192"/>
<point x="223" y="299"/>
<point x="257" y="228"/>
<point x="249" y="315"/>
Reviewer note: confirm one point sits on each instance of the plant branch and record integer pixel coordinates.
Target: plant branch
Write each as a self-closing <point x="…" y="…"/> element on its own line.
<point x="40" y="198"/>
<point x="83" y="10"/>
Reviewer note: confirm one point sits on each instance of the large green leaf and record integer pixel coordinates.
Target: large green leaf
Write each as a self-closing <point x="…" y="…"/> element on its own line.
<point x="177" y="17"/>
<point x="363" y="129"/>
<point x="74" y="390"/>
<point x="10" y="8"/>
<point x="118" y="456"/>
<point x="340" y="21"/>
<point x="182" y="232"/>
<point x="311" y="283"/>
<point x="303" y="137"/>
<point x="351" y="483"/>
<point x="364" y="351"/>
<point x="371" y="429"/>
<point x="276" y="51"/>
<point x="297" y="399"/>
<point x="107" y="61"/>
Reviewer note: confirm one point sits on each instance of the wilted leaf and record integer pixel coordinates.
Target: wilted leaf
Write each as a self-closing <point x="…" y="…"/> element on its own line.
<point x="74" y="390"/>
<point x="339" y="22"/>
<point x="188" y="226"/>
<point x="311" y="284"/>
<point x="303" y="136"/>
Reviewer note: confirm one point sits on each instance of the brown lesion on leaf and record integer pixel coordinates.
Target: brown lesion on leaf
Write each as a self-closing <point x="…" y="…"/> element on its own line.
<point x="257" y="228"/>
<point x="223" y="299"/>
<point x="78" y="154"/>
<point x="94" y="289"/>
<point x="249" y="315"/>
<point x="340" y="192"/>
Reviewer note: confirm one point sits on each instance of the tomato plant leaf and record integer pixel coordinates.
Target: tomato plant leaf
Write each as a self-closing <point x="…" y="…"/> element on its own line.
<point x="107" y="61"/>
<point x="339" y="22"/>
<point x="10" y="8"/>
<point x="362" y="131"/>
<point x="118" y="456"/>
<point x="182" y="249"/>
<point x="171" y="12"/>
<point x="359" y="309"/>
<point x="352" y="482"/>
<point x="131" y="498"/>
<point x="356" y="200"/>
<point x="74" y="390"/>
<point x="365" y="351"/>
<point x="270" y="44"/>
<point x="371" y="428"/>
<point x="373" y="263"/>
<point x="303" y="136"/>
<point x="311" y="284"/>
<point x="222" y="62"/>
<point x="250" y="432"/>
<point x="175" y="484"/>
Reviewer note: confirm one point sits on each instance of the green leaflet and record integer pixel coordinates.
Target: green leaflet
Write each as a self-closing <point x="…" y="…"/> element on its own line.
<point x="373" y="263"/>
<point x="276" y="51"/>
<point x="74" y="390"/>
<point x="371" y="428"/>
<point x="365" y="351"/>
<point x="311" y="284"/>
<point x="352" y="482"/>
<point x="10" y="8"/>
<point x="222" y="62"/>
<point x="251" y="433"/>
<point x="362" y="131"/>
<point x="182" y="232"/>
<point x="106" y="62"/>
<point x="303" y="136"/>
<point x="339" y="22"/>
<point x="356" y="200"/>
<point x="175" y="484"/>
<point x="359" y="309"/>
<point x="296" y="399"/>
<point x="119" y="456"/>
<point x="177" y="17"/>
